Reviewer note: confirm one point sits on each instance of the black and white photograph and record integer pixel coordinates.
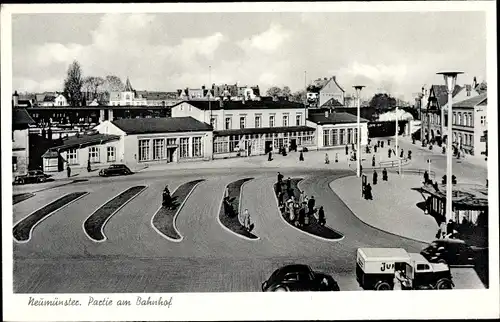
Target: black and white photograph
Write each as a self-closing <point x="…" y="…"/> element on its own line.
<point x="165" y="152"/>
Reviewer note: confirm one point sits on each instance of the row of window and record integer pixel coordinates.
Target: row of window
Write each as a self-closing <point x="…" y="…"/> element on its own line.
<point x="159" y="148"/>
<point x="463" y="138"/>
<point x="134" y="103"/>
<point x="235" y="143"/>
<point x="335" y="137"/>
<point x="463" y="119"/>
<point x="285" y="121"/>
<point x="94" y="155"/>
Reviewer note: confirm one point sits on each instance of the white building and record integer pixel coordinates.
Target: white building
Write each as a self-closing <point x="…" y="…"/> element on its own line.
<point x="54" y="100"/>
<point x="127" y="97"/>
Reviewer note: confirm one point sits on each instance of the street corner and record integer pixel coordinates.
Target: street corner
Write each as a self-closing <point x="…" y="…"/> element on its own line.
<point x="394" y="206"/>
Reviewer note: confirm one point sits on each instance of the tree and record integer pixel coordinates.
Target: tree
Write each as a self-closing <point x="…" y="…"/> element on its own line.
<point x="92" y="85"/>
<point x="482" y="88"/>
<point x="298" y="97"/>
<point x="73" y="84"/>
<point x="113" y="83"/>
<point x="274" y="91"/>
<point x="382" y="101"/>
<point x="286" y="91"/>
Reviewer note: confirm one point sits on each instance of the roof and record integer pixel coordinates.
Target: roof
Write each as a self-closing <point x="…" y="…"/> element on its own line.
<point x="261" y="130"/>
<point x="441" y="93"/>
<point x="50" y="154"/>
<point x="128" y="86"/>
<point x="473" y="101"/>
<point x="384" y="253"/>
<point x="21" y="118"/>
<point x="161" y="125"/>
<point x="239" y="105"/>
<point x="465" y="196"/>
<point x="294" y="268"/>
<point x="150" y="96"/>
<point x="332" y="102"/>
<point x="49" y="98"/>
<point x="333" y="118"/>
<point x="84" y="141"/>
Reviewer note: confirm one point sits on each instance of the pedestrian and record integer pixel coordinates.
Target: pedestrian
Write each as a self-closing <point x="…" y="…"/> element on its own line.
<point x="381" y="144"/>
<point x="288" y="184"/>
<point x="389" y="152"/>
<point x="311" y="203"/>
<point x="336" y="157"/>
<point x="409" y="154"/>
<point x="388" y="142"/>
<point x="68" y="170"/>
<point x="426" y="177"/>
<point x="280" y="178"/>
<point x="443" y="150"/>
<point x="270" y="156"/>
<point x="401" y="155"/>
<point x="302" y="215"/>
<point x="302" y="197"/>
<point x="375" y="149"/>
<point x="352" y="146"/>
<point x="301" y="156"/>
<point x="384" y="174"/>
<point x="368" y="192"/>
<point x="278" y="188"/>
<point x="321" y="216"/>
<point x="375" y="177"/>
<point x="306" y="200"/>
<point x="327" y="159"/>
<point x="281" y="196"/>
<point x="247" y="220"/>
<point x="166" y="199"/>
<point x="88" y="166"/>
<point x="284" y="151"/>
<point x="367" y="149"/>
<point x="360" y="169"/>
<point x="369" y="141"/>
<point x="373" y="161"/>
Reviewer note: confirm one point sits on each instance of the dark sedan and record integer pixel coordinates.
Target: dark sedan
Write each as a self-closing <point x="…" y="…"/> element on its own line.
<point x="115" y="170"/>
<point x="298" y="277"/>
<point x="454" y="252"/>
<point x="33" y="176"/>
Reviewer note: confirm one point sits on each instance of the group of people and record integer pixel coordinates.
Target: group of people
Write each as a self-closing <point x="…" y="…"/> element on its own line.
<point x="282" y="151"/>
<point x="298" y="212"/>
<point x="367" y="188"/>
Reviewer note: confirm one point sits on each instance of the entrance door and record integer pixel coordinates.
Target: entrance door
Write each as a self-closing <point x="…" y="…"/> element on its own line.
<point x="170" y="154"/>
<point x="293" y="145"/>
<point x="268" y="147"/>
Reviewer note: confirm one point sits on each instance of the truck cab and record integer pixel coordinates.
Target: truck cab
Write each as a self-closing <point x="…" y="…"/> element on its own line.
<point x="380" y="268"/>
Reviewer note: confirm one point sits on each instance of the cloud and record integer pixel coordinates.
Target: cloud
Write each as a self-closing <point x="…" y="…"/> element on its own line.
<point x="268" y="41"/>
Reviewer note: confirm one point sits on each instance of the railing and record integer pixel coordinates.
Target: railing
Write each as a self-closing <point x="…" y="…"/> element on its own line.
<point x="432" y="174"/>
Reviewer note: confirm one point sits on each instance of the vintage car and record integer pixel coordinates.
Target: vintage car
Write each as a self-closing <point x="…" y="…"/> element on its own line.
<point x="454" y="252"/>
<point x="114" y="170"/>
<point x="299" y="277"/>
<point x="376" y="269"/>
<point x="33" y="176"/>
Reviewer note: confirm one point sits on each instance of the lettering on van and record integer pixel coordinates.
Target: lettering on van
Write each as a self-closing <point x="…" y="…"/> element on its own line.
<point x="386" y="266"/>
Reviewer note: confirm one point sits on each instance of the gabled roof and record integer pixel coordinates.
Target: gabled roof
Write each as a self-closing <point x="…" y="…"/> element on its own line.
<point x="21" y="118"/>
<point x="161" y="125"/>
<point x="84" y="141"/>
<point x="441" y="93"/>
<point x="239" y="105"/>
<point x="49" y="98"/>
<point x="332" y="102"/>
<point x="128" y="86"/>
<point x="473" y="101"/>
<point x="333" y="118"/>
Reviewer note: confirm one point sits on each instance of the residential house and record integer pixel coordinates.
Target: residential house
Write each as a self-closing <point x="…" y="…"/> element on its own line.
<point x="127" y="97"/>
<point x="159" y="98"/>
<point x="331" y="90"/>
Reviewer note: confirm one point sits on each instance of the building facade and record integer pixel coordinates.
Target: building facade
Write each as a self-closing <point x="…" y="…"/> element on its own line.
<point x="331" y="90"/>
<point x="20" y="141"/>
<point x="127" y="97"/>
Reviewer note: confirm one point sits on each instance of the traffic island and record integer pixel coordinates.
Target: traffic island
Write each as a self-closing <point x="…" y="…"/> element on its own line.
<point x="229" y="211"/>
<point x="313" y="227"/>
<point x="164" y="219"/>
<point x="94" y="224"/>
<point x="22" y="230"/>
<point x="20" y="197"/>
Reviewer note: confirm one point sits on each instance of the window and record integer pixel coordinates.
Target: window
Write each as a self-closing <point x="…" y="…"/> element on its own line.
<point x="158" y="149"/>
<point x="94" y="154"/>
<point x="213" y="122"/>
<point x="454" y="120"/>
<point x="228" y="123"/>
<point x="171" y="141"/>
<point x="285" y="120"/>
<point x="271" y="121"/>
<point x="326" y="137"/>
<point x="242" y="122"/>
<point x="349" y="136"/>
<point x="72" y="157"/>
<point x="184" y="148"/>
<point x="233" y="143"/>
<point x="196" y="145"/>
<point x="221" y="144"/>
<point x="258" y="120"/>
<point x="143" y="150"/>
<point x="335" y="140"/>
<point x="298" y="119"/>
<point x="14" y="164"/>
<point x="471" y="139"/>
<point x="342" y="136"/>
<point x="459" y="119"/>
<point x="356" y="135"/>
<point x="422" y="267"/>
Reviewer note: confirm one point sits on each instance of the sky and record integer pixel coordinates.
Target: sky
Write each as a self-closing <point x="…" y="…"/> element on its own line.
<point x="393" y="52"/>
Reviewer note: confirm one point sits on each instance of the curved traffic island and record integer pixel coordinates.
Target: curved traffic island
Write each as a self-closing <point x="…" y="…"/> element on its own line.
<point x="93" y="226"/>
<point x="229" y="210"/>
<point x="163" y="220"/>
<point x="20" y="197"/>
<point x="311" y="224"/>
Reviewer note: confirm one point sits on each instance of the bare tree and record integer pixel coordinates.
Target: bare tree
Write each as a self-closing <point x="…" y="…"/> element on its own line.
<point x="298" y="97"/>
<point x="73" y="84"/>
<point x="92" y="84"/>
<point x="113" y="83"/>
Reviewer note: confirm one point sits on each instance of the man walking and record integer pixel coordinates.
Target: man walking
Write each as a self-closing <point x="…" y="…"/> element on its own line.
<point x="88" y="166"/>
<point x="368" y="192"/>
<point x="301" y="156"/>
<point x="373" y="161"/>
<point x="68" y="170"/>
<point x="346" y="149"/>
<point x="327" y="159"/>
<point x="401" y="155"/>
<point x="336" y="157"/>
<point x="321" y="216"/>
<point x="270" y="156"/>
<point x="280" y="178"/>
<point x="384" y="174"/>
<point x="375" y="177"/>
<point x="311" y="203"/>
<point x="389" y="152"/>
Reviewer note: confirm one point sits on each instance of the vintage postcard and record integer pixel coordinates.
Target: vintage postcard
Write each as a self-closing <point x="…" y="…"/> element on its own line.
<point x="190" y="161"/>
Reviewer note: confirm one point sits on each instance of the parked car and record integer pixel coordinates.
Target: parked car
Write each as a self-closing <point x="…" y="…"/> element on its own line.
<point x="114" y="170"/>
<point x="454" y="252"/>
<point x="33" y="176"/>
<point x="299" y="277"/>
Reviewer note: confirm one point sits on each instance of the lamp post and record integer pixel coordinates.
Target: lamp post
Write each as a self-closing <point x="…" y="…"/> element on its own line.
<point x="450" y="79"/>
<point x="358" y="89"/>
<point x="397" y="146"/>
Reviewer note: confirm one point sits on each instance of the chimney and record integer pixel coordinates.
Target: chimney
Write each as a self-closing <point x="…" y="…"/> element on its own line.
<point x="474" y="83"/>
<point x="15" y="99"/>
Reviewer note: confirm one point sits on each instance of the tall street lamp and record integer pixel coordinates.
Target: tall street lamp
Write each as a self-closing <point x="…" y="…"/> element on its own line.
<point x="450" y="79"/>
<point x="358" y="89"/>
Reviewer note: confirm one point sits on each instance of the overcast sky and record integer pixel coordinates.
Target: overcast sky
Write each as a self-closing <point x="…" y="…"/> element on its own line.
<point x="396" y="52"/>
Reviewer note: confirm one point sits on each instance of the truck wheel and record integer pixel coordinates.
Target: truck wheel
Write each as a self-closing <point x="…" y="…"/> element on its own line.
<point x="382" y="286"/>
<point x="443" y="284"/>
